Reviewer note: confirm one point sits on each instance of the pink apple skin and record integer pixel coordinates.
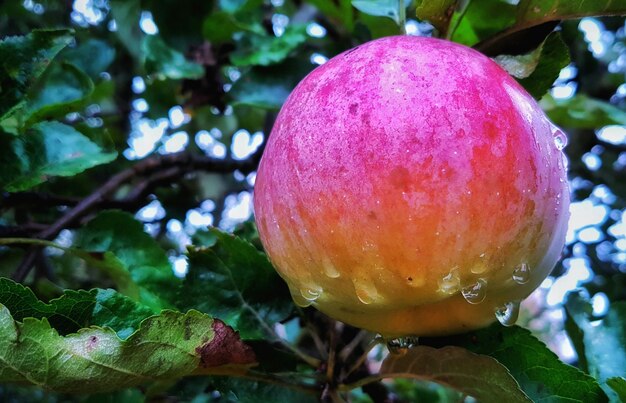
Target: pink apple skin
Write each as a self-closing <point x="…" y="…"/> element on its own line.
<point x="398" y="163"/>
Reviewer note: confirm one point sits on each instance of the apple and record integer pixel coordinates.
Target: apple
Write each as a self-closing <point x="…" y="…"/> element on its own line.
<point x="410" y="186"/>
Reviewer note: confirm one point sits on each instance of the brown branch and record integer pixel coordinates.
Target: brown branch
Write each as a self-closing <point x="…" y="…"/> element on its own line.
<point x="158" y="169"/>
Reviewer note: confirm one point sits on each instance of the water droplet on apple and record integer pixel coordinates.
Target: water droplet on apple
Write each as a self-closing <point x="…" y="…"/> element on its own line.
<point x="560" y="139"/>
<point x="480" y="266"/>
<point x="311" y="293"/>
<point x="521" y="274"/>
<point x="365" y="291"/>
<point x="475" y="293"/>
<point x="329" y="268"/>
<point x="401" y="345"/>
<point x="507" y="314"/>
<point x="450" y="283"/>
<point x="299" y="300"/>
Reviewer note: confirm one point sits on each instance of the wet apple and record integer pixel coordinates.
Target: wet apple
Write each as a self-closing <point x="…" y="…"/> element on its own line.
<point x="410" y="186"/>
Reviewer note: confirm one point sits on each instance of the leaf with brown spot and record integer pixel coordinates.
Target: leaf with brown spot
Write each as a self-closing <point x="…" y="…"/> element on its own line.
<point x="93" y="360"/>
<point x="226" y="348"/>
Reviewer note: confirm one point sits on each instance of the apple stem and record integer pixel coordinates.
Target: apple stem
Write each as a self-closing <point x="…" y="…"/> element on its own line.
<point x="402" y="16"/>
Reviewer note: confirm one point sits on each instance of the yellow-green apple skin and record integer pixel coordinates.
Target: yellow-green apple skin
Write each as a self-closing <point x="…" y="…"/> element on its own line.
<point x="410" y="186"/>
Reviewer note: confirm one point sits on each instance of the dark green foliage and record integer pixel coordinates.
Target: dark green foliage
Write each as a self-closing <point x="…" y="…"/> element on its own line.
<point x="233" y="281"/>
<point x="121" y="129"/>
<point x="541" y="375"/>
<point x="75" y="309"/>
<point x="23" y="60"/>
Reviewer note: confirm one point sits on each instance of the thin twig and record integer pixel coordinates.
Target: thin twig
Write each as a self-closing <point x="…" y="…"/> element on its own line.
<point x="330" y="363"/>
<point x="158" y="168"/>
<point x="313" y="332"/>
<point x="349" y="348"/>
<point x="376" y="341"/>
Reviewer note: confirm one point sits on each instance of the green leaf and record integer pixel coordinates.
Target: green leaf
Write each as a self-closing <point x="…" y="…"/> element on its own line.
<point x="536" y="71"/>
<point x="437" y="12"/>
<point x="604" y="340"/>
<point x="269" y="87"/>
<point x="75" y="309"/>
<point x="531" y="14"/>
<point x="235" y="282"/>
<point x="233" y="6"/>
<point x="475" y="375"/>
<point x="263" y="50"/>
<point x="409" y="391"/>
<point x="164" y="61"/>
<point x="582" y="112"/>
<point x="245" y="391"/>
<point x="220" y="26"/>
<point x="48" y="149"/>
<point x="119" y="242"/>
<point x="95" y="360"/>
<point x="92" y="56"/>
<point x="368" y="27"/>
<point x="540" y="10"/>
<point x="181" y="26"/>
<point x="539" y="372"/>
<point x="481" y="19"/>
<point x="379" y="8"/>
<point x="22" y="60"/>
<point x="64" y="88"/>
<point x="618" y="384"/>
<point x="127" y="14"/>
<point x="340" y="12"/>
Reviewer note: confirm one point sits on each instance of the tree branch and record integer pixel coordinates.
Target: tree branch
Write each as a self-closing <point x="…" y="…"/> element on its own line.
<point x="162" y="169"/>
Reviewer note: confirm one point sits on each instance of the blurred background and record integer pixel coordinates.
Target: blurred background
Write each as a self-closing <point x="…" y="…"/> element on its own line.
<point x="209" y="77"/>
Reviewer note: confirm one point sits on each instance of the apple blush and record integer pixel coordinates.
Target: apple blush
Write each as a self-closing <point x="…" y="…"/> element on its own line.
<point x="410" y="186"/>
